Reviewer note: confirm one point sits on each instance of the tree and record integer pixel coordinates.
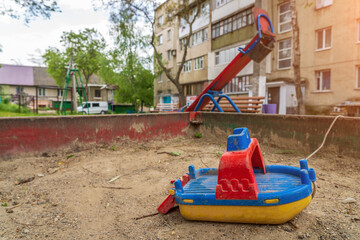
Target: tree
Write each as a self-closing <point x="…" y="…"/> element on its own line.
<point x="125" y="67"/>
<point x="144" y="11"/>
<point x="296" y="58"/>
<point x="85" y="47"/>
<point x="56" y="63"/>
<point x="29" y="9"/>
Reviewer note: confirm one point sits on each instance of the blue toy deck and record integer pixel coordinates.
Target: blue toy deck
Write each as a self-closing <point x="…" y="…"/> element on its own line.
<point x="284" y="183"/>
<point x="267" y="183"/>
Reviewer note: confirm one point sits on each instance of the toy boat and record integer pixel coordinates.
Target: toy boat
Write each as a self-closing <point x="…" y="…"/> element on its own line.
<point x="242" y="189"/>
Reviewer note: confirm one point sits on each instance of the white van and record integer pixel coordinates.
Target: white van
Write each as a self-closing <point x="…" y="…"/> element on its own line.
<point x="93" y="107"/>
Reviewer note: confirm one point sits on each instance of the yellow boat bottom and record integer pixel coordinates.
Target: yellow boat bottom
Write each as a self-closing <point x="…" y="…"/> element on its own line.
<point x="245" y="214"/>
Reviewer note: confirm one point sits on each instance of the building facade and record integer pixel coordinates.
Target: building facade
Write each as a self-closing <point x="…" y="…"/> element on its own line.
<point x="41" y="90"/>
<point x="329" y="49"/>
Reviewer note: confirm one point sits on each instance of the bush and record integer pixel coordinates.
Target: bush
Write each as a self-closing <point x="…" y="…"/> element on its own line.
<point x="6" y="100"/>
<point x="12" y="108"/>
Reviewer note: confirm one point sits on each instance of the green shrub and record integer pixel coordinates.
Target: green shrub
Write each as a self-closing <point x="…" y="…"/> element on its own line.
<point x="12" y="108"/>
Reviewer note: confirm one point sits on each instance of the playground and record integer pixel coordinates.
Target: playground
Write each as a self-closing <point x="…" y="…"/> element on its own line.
<point x="104" y="177"/>
<point x="71" y="195"/>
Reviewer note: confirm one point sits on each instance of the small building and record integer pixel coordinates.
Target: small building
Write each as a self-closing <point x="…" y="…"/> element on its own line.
<point x="41" y="90"/>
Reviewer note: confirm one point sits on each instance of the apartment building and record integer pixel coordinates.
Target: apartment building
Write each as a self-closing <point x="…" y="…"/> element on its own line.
<point x="232" y="26"/>
<point x="167" y="45"/>
<point x="329" y="46"/>
<point x="220" y="29"/>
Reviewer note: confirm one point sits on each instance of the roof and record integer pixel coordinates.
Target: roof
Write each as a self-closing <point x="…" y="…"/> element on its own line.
<point x="33" y="76"/>
<point x="16" y="75"/>
<point x="42" y="77"/>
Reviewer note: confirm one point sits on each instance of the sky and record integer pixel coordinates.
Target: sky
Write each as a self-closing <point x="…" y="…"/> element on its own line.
<point x="20" y="43"/>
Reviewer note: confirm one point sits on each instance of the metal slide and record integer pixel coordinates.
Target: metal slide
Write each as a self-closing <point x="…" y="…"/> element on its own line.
<point x="259" y="47"/>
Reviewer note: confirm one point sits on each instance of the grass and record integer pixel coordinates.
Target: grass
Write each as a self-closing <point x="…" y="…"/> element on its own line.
<point x="15" y="114"/>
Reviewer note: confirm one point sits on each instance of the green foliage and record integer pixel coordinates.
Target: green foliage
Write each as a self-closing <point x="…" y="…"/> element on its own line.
<point x="28" y="9"/>
<point x="198" y="135"/>
<point x="14" y="108"/>
<point x="56" y="63"/>
<point x="126" y="66"/>
<point x="86" y="48"/>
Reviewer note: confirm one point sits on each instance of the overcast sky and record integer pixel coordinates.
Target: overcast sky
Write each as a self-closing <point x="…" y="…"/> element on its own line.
<point x="20" y="42"/>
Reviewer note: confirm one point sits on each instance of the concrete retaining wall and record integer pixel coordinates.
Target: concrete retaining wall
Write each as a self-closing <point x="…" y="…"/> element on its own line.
<point x="38" y="134"/>
<point x="293" y="132"/>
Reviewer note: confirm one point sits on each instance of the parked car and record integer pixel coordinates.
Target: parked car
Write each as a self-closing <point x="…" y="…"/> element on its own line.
<point x="93" y="108"/>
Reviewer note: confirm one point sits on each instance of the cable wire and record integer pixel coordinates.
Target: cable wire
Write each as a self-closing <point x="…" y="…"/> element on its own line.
<point x="327" y="133"/>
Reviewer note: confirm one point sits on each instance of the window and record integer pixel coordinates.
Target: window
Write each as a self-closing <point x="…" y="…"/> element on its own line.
<point x="323" y="3"/>
<point x="358" y="77"/>
<point x="200" y="36"/>
<point x="160" y="79"/>
<point x="182" y="43"/>
<point x="187" y="66"/>
<point x="161" y="20"/>
<point x="232" y="23"/>
<point x="220" y="3"/>
<point x="284" y="17"/>
<point x="161" y="39"/>
<point x="60" y="92"/>
<point x="169" y="35"/>
<point x="225" y="56"/>
<point x="323" y="80"/>
<point x="358" y="30"/>
<point x="323" y="39"/>
<point x="41" y="91"/>
<point x="19" y="90"/>
<point x="238" y="85"/>
<point x="205" y="8"/>
<point x="198" y="63"/>
<point x="194" y="89"/>
<point x="97" y="93"/>
<point x="96" y="104"/>
<point x="284" y="54"/>
<point x="169" y="55"/>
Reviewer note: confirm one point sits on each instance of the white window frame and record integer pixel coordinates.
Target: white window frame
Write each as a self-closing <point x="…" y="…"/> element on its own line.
<point x="285" y="49"/>
<point x="220" y="3"/>
<point x="187" y="66"/>
<point x="169" y="32"/>
<point x="323" y="3"/>
<point x="225" y="56"/>
<point x="169" y="55"/>
<point x="358" y="31"/>
<point x="199" y="63"/>
<point x="161" y="40"/>
<point x="19" y="89"/>
<point x="323" y="32"/>
<point x="238" y="85"/>
<point x="160" y="78"/>
<point x="41" y="92"/>
<point x="284" y="23"/>
<point x="319" y="78"/>
<point x="357" y="74"/>
<point x="60" y="92"/>
<point x="161" y="20"/>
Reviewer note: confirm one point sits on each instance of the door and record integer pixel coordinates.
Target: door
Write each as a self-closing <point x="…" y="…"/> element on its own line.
<point x="167" y="99"/>
<point x="274" y="97"/>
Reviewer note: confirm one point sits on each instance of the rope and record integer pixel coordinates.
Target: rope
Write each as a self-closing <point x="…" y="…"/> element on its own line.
<point x="323" y="142"/>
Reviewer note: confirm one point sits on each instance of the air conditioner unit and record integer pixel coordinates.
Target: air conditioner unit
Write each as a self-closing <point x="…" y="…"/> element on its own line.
<point x="173" y="52"/>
